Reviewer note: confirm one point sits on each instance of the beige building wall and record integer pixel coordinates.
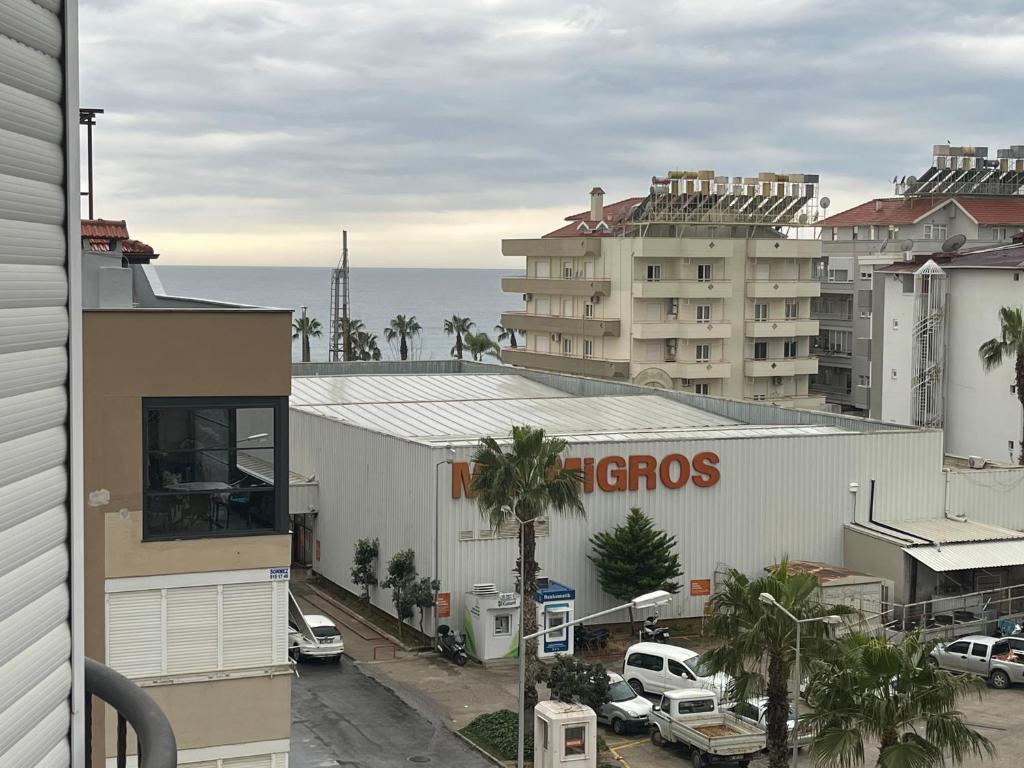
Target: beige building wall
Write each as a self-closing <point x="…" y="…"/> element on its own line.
<point x="137" y="353"/>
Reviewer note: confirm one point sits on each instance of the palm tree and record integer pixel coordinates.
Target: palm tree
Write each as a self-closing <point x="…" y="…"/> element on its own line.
<point x="351" y="328"/>
<point x="527" y="480"/>
<point x="480" y="344"/>
<point x="869" y="689"/>
<point x="364" y="346"/>
<point x="507" y="333"/>
<point x="306" y="327"/>
<point x="1010" y="344"/>
<point x="403" y="328"/>
<point x="458" y="327"/>
<point x="758" y="641"/>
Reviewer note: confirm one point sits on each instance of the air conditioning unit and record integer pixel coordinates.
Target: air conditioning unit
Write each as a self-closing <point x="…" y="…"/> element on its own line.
<point x="776" y="381"/>
<point x="595" y="299"/>
<point x="527" y="297"/>
<point x="671" y="316"/>
<point x="976" y="462"/>
<point x="556" y="337"/>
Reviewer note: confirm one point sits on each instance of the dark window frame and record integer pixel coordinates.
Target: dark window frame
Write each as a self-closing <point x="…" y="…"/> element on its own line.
<point x="279" y="406"/>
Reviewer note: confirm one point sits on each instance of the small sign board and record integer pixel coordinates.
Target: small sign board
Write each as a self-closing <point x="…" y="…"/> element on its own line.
<point x="506" y="599"/>
<point x="279" y="574"/>
<point x="700" y="587"/>
<point x="444" y="605"/>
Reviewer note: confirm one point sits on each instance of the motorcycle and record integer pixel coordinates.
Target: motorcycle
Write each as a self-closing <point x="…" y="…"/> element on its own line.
<point x="650" y="632"/>
<point x="451" y="646"/>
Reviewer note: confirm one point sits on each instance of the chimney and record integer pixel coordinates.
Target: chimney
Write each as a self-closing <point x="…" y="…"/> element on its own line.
<point x="878" y="205"/>
<point x="597" y="204"/>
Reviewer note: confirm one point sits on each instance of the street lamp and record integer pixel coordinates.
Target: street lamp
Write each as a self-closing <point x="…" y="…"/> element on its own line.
<point x="437" y="493"/>
<point x="648" y="600"/>
<point x="769" y="599"/>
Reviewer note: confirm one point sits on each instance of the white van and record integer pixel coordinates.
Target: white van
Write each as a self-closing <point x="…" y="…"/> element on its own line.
<point x="656" y="668"/>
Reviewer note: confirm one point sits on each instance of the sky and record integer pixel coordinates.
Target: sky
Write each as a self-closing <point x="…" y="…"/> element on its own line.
<point x="253" y="131"/>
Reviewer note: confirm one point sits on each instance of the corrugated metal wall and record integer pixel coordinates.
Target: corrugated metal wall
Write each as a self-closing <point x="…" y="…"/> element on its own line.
<point x="778" y="496"/>
<point x="35" y="632"/>
<point x="993" y="496"/>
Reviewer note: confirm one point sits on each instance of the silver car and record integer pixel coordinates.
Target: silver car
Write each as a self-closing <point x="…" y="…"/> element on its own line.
<point x="998" y="660"/>
<point x="625" y="711"/>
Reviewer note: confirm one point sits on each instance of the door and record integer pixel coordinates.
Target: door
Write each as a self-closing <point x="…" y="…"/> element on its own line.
<point x="645" y="669"/>
<point x="567" y="308"/>
<point x="542" y="305"/>
<point x="977" y="661"/>
<point x="955" y="656"/>
<point x="542" y="342"/>
<point x="678" y="676"/>
<point x="543" y="268"/>
<point x="588" y="270"/>
<point x="761" y="271"/>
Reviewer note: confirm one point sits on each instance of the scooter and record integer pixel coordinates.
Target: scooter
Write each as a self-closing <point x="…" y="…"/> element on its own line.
<point x="451" y="646"/>
<point x="650" y="632"/>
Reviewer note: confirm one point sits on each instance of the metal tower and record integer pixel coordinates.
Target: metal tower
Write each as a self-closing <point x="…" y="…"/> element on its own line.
<point x="339" y="341"/>
<point x="929" y="346"/>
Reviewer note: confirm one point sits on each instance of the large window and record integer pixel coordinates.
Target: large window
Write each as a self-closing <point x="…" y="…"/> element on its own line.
<point x="215" y="467"/>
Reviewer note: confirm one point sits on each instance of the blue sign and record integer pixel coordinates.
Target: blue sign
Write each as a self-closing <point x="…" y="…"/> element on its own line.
<point x="556" y="647"/>
<point x="554" y="591"/>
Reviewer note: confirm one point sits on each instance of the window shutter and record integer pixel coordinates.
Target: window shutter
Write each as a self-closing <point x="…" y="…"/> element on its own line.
<point x="280" y="622"/>
<point x="259" y="761"/>
<point x="192" y="629"/>
<point x="135" y="632"/>
<point x="248" y="611"/>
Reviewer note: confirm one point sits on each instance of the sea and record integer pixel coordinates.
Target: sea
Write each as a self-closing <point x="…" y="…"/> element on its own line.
<point x="377" y="295"/>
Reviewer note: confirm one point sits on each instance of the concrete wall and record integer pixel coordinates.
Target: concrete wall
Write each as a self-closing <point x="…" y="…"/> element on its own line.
<point x="871" y="554"/>
<point x="897" y="345"/>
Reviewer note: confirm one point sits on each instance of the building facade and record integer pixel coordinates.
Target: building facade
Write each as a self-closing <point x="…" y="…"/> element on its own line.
<point x="694" y="288"/>
<point x="42" y="697"/>
<point x="186" y="522"/>
<point x="963" y="195"/>
<point x="932" y="314"/>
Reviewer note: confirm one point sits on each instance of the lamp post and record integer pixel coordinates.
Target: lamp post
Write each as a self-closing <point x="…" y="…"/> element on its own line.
<point x="437" y="565"/>
<point x="769" y="599"/>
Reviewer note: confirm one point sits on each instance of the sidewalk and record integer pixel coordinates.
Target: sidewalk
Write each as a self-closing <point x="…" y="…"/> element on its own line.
<point x="363" y="641"/>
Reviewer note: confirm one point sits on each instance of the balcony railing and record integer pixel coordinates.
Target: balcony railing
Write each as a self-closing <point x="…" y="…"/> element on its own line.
<point x="156" y="745"/>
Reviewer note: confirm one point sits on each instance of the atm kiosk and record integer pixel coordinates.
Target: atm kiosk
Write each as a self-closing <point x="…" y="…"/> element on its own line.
<point x="555" y="607"/>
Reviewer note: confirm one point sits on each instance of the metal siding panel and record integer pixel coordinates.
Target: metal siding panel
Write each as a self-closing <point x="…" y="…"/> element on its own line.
<point x="32" y="25"/>
<point x="32" y="328"/>
<point x="29" y="455"/>
<point x="28" y="158"/>
<point x="20" y="629"/>
<point x="993" y="496"/>
<point x="25" y="242"/>
<point x="22" y="586"/>
<point x="135" y="634"/>
<point x="30" y="115"/>
<point x="193" y="629"/>
<point x="48" y="696"/>
<point x="36" y="369"/>
<point x="31" y="497"/>
<point x="33" y="538"/>
<point x="32" y="412"/>
<point x="28" y="200"/>
<point x="49" y="735"/>
<point x="29" y="70"/>
<point x="23" y="672"/>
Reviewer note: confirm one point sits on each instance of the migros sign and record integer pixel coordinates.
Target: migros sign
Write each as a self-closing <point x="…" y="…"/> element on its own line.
<point x="621" y="473"/>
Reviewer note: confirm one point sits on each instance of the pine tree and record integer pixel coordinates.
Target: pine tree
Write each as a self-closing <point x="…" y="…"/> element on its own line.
<point x="635" y="558"/>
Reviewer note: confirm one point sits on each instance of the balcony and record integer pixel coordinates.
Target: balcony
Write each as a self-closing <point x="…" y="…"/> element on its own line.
<point x="583" y="366"/>
<point x="784" y="249"/>
<point x="557" y="286"/>
<point x="832" y="393"/>
<point x="783" y="289"/>
<point x="156" y="745"/>
<point x="682" y="289"/>
<point x="674" y="329"/>
<point x="780" y="366"/>
<point x="587" y="326"/>
<point x="773" y="329"/>
<point x="707" y="370"/>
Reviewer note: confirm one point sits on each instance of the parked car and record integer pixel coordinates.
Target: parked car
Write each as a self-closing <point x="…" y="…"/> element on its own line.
<point x="625" y="711"/>
<point x="992" y="658"/>
<point x="755" y="713"/>
<point x="656" y="667"/>
<point x="713" y="736"/>
<point x="321" y="640"/>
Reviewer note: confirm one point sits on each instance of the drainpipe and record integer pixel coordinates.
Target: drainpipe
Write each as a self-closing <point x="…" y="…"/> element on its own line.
<point x="960" y="518"/>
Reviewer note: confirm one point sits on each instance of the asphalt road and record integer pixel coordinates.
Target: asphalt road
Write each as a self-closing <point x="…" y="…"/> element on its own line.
<point x="341" y="717"/>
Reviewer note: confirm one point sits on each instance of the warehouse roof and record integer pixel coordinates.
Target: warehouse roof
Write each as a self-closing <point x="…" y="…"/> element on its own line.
<point x="453" y="408"/>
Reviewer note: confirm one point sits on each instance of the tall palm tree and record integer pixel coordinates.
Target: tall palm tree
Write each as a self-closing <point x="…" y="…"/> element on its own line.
<point x="306" y="327"/>
<point x="869" y="689"/>
<point x="351" y="328"/>
<point x="526" y="480"/>
<point x="758" y="641"/>
<point x="507" y="333"/>
<point x="404" y="329"/>
<point x="364" y="346"/>
<point x="1010" y="344"/>
<point x="458" y="327"/>
<point x="480" y="344"/>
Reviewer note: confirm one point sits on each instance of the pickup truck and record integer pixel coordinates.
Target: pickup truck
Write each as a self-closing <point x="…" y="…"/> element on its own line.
<point x="999" y="660"/>
<point x="691" y="717"/>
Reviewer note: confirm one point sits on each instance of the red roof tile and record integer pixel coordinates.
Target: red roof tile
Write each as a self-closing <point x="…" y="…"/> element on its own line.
<point x="998" y="257"/>
<point x="612" y="213"/>
<point x="104" y="228"/>
<point x="995" y="210"/>
<point x="898" y="210"/>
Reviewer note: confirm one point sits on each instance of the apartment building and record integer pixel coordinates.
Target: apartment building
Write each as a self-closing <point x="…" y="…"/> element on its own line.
<point x="963" y="198"/>
<point x="695" y="287"/>
<point x="186" y="521"/>
<point x="932" y="313"/>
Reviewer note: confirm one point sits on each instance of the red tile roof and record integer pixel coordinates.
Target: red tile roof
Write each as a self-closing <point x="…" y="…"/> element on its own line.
<point x="104" y="228"/>
<point x="612" y="213"/>
<point x="897" y="210"/>
<point x="998" y="257"/>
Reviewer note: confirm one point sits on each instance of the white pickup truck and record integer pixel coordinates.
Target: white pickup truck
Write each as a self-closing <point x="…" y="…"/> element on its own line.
<point x="691" y="717"/>
<point x="1000" y="660"/>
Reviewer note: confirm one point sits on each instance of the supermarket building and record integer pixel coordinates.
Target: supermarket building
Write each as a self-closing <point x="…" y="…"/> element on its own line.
<point x="739" y="484"/>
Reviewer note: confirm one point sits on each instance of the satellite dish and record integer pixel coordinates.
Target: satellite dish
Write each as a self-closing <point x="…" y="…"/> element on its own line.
<point x="907" y="245"/>
<point x="803" y="218"/>
<point x="824" y="202"/>
<point x="911" y="180"/>
<point x="954" y="243"/>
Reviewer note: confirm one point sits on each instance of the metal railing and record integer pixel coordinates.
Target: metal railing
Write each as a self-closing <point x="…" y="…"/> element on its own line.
<point x="156" y="745"/>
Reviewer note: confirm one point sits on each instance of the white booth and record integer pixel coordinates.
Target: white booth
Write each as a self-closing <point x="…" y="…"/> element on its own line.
<point x="556" y="605"/>
<point x="564" y="734"/>
<point x="491" y="623"/>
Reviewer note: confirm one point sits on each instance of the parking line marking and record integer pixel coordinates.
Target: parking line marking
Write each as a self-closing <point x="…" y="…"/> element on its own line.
<point x="615" y="750"/>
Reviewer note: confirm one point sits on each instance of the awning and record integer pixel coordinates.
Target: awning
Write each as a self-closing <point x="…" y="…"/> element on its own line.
<point x="964" y="557"/>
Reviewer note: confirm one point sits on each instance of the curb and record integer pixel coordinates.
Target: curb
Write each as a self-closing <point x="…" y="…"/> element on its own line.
<point x="497" y="761"/>
<point x="361" y="619"/>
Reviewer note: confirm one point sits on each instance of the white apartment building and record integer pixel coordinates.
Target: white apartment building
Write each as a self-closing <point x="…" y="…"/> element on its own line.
<point x="931" y="316"/>
<point x="695" y="287"/>
<point x="963" y="195"/>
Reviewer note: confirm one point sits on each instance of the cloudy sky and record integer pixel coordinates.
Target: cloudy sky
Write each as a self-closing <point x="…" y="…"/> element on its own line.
<point x="253" y="131"/>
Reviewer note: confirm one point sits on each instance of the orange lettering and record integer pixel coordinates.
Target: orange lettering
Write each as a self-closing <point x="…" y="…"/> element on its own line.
<point x="575" y="466"/>
<point x="665" y="471"/>
<point x="615" y="479"/>
<point x="708" y="474"/>
<point x="645" y="467"/>
<point x="462" y="481"/>
<point x="588" y="475"/>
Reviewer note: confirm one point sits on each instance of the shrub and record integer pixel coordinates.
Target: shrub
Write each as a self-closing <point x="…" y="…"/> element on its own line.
<point x="497" y="732"/>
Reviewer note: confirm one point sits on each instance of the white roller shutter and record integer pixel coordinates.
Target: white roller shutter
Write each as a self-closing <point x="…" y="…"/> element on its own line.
<point x="280" y="622"/>
<point x="35" y="632"/>
<point x="135" y="643"/>
<point x="257" y="761"/>
<point x="248" y="624"/>
<point x="193" y="629"/>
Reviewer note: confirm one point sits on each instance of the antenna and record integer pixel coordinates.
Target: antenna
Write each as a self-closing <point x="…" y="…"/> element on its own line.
<point x="885" y="244"/>
<point x="87" y="117"/>
<point x="954" y="243"/>
<point x="339" y="341"/>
